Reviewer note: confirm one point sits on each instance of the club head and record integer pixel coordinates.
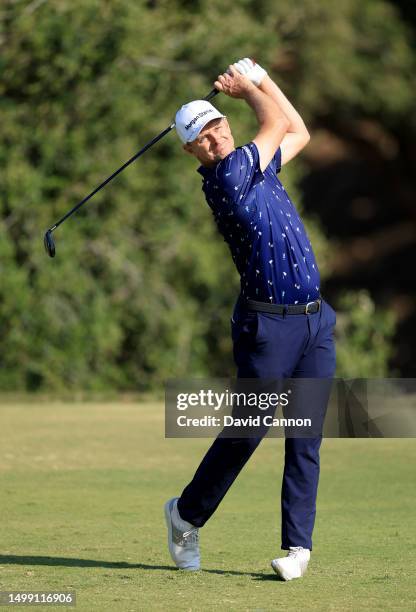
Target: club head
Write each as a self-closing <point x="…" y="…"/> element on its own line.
<point x="49" y="243"/>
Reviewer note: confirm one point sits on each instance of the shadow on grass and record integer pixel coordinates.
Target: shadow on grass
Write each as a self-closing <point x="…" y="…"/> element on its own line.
<point x="67" y="562"/>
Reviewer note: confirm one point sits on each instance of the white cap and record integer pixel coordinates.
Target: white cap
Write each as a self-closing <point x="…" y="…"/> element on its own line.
<point x="192" y="117"/>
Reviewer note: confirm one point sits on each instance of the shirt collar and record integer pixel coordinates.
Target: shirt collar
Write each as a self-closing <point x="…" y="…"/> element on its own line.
<point x="205" y="171"/>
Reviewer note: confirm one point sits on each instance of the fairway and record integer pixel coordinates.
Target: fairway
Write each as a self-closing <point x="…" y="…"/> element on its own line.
<point x="83" y="487"/>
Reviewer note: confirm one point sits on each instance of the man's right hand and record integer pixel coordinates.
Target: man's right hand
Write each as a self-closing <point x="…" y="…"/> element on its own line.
<point x="234" y="84"/>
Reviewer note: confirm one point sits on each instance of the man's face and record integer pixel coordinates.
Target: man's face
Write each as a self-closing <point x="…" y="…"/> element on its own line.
<point x="213" y="143"/>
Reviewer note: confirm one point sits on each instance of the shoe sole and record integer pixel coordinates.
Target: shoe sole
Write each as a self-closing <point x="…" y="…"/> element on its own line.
<point x="168" y="519"/>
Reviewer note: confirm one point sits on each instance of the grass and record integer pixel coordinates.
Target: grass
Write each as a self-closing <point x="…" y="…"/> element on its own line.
<point x="82" y="488"/>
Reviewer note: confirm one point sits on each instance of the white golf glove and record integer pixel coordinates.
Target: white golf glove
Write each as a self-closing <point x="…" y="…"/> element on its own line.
<point x="251" y="70"/>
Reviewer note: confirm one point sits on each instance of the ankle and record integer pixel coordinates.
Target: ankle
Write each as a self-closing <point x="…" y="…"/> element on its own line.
<point x="178" y="521"/>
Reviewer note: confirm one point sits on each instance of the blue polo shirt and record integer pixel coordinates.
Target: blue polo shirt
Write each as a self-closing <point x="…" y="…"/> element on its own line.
<point x="267" y="239"/>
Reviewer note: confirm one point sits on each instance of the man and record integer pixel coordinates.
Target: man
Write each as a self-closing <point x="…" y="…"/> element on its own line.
<point x="281" y="328"/>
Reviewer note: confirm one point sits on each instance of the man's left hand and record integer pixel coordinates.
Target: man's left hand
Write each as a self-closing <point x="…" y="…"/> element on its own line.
<point x="254" y="72"/>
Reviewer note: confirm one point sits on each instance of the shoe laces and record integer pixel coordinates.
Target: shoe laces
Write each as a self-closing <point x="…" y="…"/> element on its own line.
<point x="293" y="552"/>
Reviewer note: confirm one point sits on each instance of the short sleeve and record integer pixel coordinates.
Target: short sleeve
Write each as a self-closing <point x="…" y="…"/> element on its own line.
<point x="239" y="172"/>
<point x="276" y="162"/>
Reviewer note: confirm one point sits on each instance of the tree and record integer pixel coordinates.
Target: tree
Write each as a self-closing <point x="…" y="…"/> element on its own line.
<point x="142" y="285"/>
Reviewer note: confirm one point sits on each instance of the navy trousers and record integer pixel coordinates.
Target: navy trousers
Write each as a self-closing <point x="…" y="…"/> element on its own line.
<point x="270" y="346"/>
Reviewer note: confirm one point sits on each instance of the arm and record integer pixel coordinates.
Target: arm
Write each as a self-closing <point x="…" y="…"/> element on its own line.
<point x="273" y="123"/>
<point x="297" y="136"/>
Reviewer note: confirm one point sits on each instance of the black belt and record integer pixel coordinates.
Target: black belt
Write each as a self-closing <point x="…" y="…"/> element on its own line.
<point x="309" y="308"/>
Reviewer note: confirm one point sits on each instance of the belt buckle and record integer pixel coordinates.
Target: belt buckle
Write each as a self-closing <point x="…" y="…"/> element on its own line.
<point x="306" y="308"/>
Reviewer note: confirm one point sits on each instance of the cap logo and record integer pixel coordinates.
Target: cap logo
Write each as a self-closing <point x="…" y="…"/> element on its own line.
<point x="198" y="116"/>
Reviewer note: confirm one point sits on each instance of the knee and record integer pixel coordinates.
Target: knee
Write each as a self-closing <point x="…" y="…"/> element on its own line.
<point x="245" y="446"/>
<point x="306" y="448"/>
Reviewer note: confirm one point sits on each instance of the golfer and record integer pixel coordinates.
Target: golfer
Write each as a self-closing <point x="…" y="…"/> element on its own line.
<point x="281" y="327"/>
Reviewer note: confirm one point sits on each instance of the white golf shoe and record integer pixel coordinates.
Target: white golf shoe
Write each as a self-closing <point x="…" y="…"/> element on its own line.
<point x="294" y="565"/>
<point x="182" y="538"/>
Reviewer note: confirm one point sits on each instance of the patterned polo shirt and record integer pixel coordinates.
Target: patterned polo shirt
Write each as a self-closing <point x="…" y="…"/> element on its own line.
<point x="267" y="239"/>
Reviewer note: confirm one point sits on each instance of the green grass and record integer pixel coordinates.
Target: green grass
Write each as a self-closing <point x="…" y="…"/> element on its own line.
<point x="82" y="490"/>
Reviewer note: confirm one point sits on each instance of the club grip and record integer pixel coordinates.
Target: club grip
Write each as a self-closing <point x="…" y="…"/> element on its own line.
<point x="212" y="94"/>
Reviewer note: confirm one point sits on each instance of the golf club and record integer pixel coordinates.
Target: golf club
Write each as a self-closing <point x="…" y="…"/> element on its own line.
<point x="48" y="238"/>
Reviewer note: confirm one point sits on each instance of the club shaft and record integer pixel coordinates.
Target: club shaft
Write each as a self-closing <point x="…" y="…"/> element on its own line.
<point x="110" y="178"/>
<point x="130" y="161"/>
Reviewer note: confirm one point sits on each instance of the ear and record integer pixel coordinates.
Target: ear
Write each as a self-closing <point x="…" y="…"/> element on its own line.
<point x="187" y="148"/>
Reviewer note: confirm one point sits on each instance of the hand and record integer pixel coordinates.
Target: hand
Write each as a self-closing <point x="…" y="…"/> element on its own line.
<point x="233" y="83"/>
<point x="254" y="72"/>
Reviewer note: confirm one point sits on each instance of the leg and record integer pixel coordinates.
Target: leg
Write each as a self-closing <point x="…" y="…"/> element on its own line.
<point x="301" y="472"/>
<point x="299" y="490"/>
<point x="215" y="475"/>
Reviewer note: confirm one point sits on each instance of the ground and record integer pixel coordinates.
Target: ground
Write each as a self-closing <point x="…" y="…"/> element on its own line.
<point x="83" y="486"/>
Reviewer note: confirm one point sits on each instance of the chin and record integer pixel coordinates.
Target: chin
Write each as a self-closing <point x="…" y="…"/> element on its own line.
<point x="220" y="156"/>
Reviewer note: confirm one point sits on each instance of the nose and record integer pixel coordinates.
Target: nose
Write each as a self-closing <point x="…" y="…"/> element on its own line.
<point x="215" y="140"/>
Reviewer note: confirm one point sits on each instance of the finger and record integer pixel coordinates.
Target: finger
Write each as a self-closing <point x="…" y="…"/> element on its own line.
<point x="233" y="70"/>
<point x="218" y="86"/>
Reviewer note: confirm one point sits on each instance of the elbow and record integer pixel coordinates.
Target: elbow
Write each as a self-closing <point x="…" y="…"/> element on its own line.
<point x="305" y="138"/>
<point x="284" y="123"/>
